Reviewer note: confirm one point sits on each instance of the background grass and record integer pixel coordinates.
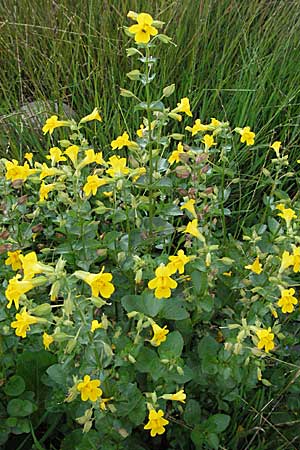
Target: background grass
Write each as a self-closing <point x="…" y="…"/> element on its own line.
<point x="235" y="60"/>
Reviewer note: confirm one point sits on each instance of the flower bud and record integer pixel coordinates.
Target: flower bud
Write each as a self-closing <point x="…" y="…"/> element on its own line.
<point x="42" y="310"/>
<point x="131" y="359"/>
<point x="182" y="172"/>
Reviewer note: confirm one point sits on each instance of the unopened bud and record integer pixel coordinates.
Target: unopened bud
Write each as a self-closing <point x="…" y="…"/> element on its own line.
<point x="131" y="359"/>
<point x="42" y="310"/>
<point x="182" y="172"/>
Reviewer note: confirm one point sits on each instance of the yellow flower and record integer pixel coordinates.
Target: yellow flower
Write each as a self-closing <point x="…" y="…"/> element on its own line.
<point x="227" y="274"/>
<point x="31" y="265"/>
<point x="91" y="157"/>
<point x="44" y="190"/>
<point x="286" y="213"/>
<point x="29" y="157"/>
<point x="16" y="172"/>
<point x="192" y="228"/>
<point x="296" y="259"/>
<point x="137" y="173"/>
<point x="95" y="325"/>
<point x="93" y="116"/>
<point x="247" y="136"/>
<point x="287" y="260"/>
<point x="48" y="171"/>
<point x="99" y="283"/>
<point x="22" y="323"/>
<point x="184" y="107"/>
<point x="189" y="206"/>
<point x="179" y="396"/>
<point x="103" y="402"/>
<point x="53" y="123"/>
<point x="140" y="131"/>
<point x="56" y="156"/>
<point x="72" y="153"/>
<point x="215" y="123"/>
<point x="144" y="29"/>
<point x="121" y="141"/>
<point x="276" y="146"/>
<point x="274" y="313"/>
<point x="47" y="341"/>
<point x="15" y="289"/>
<point x="89" y="389"/>
<point x="13" y="260"/>
<point x="256" y="266"/>
<point x="159" y="334"/>
<point x="266" y="339"/>
<point x="287" y="300"/>
<point x="208" y="140"/>
<point x="118" y="166"/>
<point x="156" y="422"/>
<point x="175" y="156"/>
<point x="162" y="283"/>
<point x="92" y="184"/>
<point x="178" y="262"/>
<point x="198" y="126"/>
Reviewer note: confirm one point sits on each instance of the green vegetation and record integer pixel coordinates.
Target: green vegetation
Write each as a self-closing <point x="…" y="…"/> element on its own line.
<point x="99" y="325"/>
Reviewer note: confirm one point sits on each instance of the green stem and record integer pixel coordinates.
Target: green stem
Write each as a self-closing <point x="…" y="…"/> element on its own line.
<point x="148" y="100"/>
<point x="222" y="193"/>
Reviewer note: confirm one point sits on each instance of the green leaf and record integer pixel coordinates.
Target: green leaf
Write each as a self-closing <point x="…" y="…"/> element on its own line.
<point x="207" y="303"/>
<point x="18" y="407"/>
<point x="199" y="281"/>
<point x="145" y="303"/>
<point x="173" y="309"/>
<point x="218" y="423"/>
<point x="15" y="386"/>
<point x="149" y="362"/>
<point x="132" y="404"/>
<point x="213" y="440"/>
<point x="207" y="347"/>
<point x="192" y="412"/>
<point x="273" y="225"/>
<point x="198" y="437"/>
<point x="57" y="373"/>
<point x="172" y="347"/>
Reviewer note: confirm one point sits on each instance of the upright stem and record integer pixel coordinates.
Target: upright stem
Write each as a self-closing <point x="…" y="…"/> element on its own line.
<point x="148" y="100"/>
